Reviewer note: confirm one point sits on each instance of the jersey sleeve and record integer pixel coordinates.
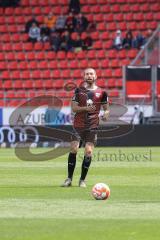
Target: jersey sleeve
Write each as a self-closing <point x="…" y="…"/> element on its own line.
<point x="104" y="99"/>
<point x="75" y="96"/>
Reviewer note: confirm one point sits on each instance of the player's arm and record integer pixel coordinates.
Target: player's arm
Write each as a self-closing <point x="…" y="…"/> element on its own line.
<point x="105" y="105"/>
<point x="77" y="109"/>
<point x="106" y="111"/>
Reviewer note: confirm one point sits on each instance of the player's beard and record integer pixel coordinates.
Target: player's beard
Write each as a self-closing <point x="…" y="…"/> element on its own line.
<point x="90" y="82"/>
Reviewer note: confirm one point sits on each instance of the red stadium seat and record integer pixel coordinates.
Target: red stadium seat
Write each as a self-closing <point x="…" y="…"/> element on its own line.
<point x="32" y="65"/>
<point x="101" y="54"/>
<point x="56" y="74"/>
<point x="105" y="63"/>
<point x="65" y="73"/>
<point x="91" y="54"/>
<point x="128" y="16"/>
<point x="3" y="66"/>
<point x="93" y="63"/>
<point x="10" y="56"/>
<point x="51" y="55"/>
<point x="61" y="55"/>
<point x="53" y="64"/>
<point x="43" y="65"/>
<point x="25" y="75"/>
<point x="36" y="74"/>
<point x="7" y="84"/>
<point x="122" y="26"/>
<point x="138" y="16"/>
<point x="5" y="75"/>
<point x="38" y="46"/>
<point x="47" y="74"/>
<point x="38" y="84"/>
<point x="95" y="35"/>
<point x="107" y="73"/>
<point x="63" y="64"/>
<point x="28" y="84"/>
<point x="5" y="38"/>
<point x="12" y="65"/>
<point x="40" y="55"/>
<point x="71" y="55"/>
<point x="105" y="8"/>
<point x="145" y="7"/>
<point x="81" y="55"/>
<point x="135" y="8"/>
<point x="104" y="36"/>
<point x="97" y="45"/>
<point x="48" y="84"/>
<point x="73" y="64"/>
<point x="58" y="84"/>
<point x="83" y="64"/>
<point x="17" y="84"/>
<point x="22" y="65"/>
<point x="17" y="47"/>
<point x="30" y="56"/>
<point x="117" y="73"/>
<point x="116" y="8"/>
<point x="9" y="11"/>
<point x="114" y="63"/>
<point x="15" y="75"/>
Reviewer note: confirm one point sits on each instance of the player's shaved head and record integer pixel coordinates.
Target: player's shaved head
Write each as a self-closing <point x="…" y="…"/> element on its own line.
<point x="90" y="69"/>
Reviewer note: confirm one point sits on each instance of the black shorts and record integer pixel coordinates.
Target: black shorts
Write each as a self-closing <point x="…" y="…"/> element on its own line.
<point x="85" y="135"/>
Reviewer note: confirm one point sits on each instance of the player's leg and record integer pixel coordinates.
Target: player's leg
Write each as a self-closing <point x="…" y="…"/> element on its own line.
<point x="89" y="146"/>
<point x="71" y="163"/>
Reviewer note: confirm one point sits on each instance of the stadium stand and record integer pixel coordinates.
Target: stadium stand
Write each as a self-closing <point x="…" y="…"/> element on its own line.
<point x="36" y="68"/>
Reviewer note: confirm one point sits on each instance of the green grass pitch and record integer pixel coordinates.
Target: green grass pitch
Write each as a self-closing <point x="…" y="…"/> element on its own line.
<point x="34" y="207"/>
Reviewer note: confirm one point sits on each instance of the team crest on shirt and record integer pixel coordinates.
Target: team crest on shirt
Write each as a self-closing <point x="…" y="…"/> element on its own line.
<point x="97" y="95"/>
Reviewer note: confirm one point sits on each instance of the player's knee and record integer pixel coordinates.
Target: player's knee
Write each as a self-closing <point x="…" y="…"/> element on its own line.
<point x="88" y="150"/>
<point x="74" y="147"/>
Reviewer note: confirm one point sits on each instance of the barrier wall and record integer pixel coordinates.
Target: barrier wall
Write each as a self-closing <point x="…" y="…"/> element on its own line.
<point x="126" y="135"/>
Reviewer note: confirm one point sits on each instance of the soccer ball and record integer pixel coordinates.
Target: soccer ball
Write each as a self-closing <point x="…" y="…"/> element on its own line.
<point x="100" y="191"/>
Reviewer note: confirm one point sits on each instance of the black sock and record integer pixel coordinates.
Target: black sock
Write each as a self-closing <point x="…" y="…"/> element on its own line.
<point x="71" y="164"/>
<point x="85" y="166"/>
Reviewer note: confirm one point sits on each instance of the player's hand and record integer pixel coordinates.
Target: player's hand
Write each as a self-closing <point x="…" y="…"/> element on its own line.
<point x="105" y="116"/>
<point x="91" y="108"/>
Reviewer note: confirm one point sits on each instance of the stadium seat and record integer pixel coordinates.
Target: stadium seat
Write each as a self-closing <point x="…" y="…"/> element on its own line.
<point x="63" y="64"/>
<point x="12" y="65"/>
<point x="81" y="55"/>
<point x="109" y="17"/>
<point x="10" y="56"/>
<point x="38" y="84"/>
<point x="38" y="46"/>
<point x="17" y="47"/>
<point x="43" y="64"/>
<point x="48" y="84"/>
<point x="23" y="65"/>
<point x="17" y="84"/>
<point x="25" y="75"/>
<point x="28" y="84"/>
<point x="73" y="64"/>
<point x="15" y="74"/>
<point x="91" y="54"/>
<point x="53" y="64"/>
<point x="105" y="63"/>
<point x="32" y="65"/>
<point x="101" y="54"/>
<point x="3" y="66"/>
<point x="61" y="55"/>
<point x="5" y="75"/>
<point x="56" y="74"/>
<point x="7" y="84"/>
<point x="83" y="64"/>
<point x="36" y="74"/>
<point x="65" y="73"/>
